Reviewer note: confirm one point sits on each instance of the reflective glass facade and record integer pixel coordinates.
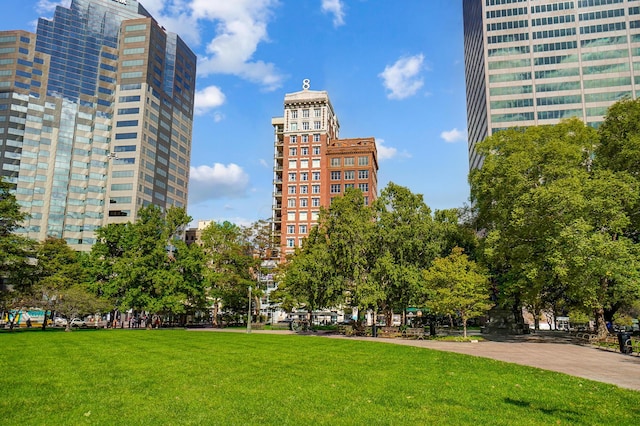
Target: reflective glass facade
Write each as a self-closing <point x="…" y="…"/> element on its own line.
<point x="95" y="118"/>
<point x="531" y="62"/>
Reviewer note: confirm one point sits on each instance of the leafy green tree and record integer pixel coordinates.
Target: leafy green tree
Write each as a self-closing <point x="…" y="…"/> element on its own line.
<point x="457" y="286"/>
<point x="59" y="268"/>
<point x="407" y="241"/>
<point x="349" y="227"/>
<point x="17" y="254"/>
<point x="144" y="266"/>
<point x="534" y="187"/>
<point x="231" y="267"/>
<point x="76" y="301"/>
<point x="309" y="280"/>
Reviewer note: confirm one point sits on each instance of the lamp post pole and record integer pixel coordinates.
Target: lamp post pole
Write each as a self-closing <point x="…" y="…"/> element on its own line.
<point x="249" y="313"/>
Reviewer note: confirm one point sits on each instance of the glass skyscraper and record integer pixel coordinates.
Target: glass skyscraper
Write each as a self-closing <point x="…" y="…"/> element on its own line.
<point x="531" y="62"/>
<point x="96" y="116"/>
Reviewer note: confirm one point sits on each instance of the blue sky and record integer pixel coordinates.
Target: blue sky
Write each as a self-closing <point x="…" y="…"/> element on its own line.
<point x="394" y="70"/>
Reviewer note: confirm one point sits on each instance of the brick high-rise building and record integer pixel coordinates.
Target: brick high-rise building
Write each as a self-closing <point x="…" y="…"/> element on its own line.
<point x="532" y="62"/>
<point x="312" y="165"/>
<point x="95" y="118"/>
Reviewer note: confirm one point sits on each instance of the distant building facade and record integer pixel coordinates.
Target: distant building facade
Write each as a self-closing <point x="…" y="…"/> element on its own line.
<point x="312" y="165"/>
<point x="533" y="62"/>
<point x="96" y="114"/>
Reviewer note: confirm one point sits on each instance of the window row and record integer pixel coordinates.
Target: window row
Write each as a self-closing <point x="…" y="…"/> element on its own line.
<point x="317" y="113"/>
<point x="304" y="138"/>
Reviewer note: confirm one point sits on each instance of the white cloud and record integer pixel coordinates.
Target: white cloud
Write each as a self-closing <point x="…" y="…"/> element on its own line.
<point x="219" y="181"/>
<point x="207" y="99"/>
<point x="452" y="136"/>
<point x="48" y="6"/>
<point x="336" y="8"/>
<point x="388" y="152"/>
<point x="240" y="26"/>
<point x="402" y="79"/>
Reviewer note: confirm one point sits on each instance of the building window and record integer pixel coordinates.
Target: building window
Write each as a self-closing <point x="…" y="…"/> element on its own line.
<point x="315" y="163"/>
<point x="304" y="164"/>
<point x="363" y="174"/>
<point x="304" y="176"/>
<point x="349" y="161"/>
<point x="315" y="216"/>
<point x="304" y="189"/>
<point x="293" y="151"/>
<point x="293" y="126"/>
<point x="349" y="175"/>
<point x="304" y="202"/>
<point x="304" y="150"/>
<point x="303" y="216"/>
<point x="293" y="139"/>
<point x="292" y="177"/>
<point x="349" y="185"/>
<point x="316" y="137"/>
<point x="336" y="175"/>
<point x="316" y="150"/>
<point x="291" y="229"/>
<point x="305" y="113"/>
<point x="293" y="164"/>
<point x="305" y="138"/>
<point x="315" y="189"/>
<point x="364" y="187"/>
<point x="302" y="229"/>
<point x="315" y="175"/>
<point x="315" y="202"/>
<point x="317" y="125"/>
<point x="316" y="112"/>
<point x="335" y="162"/>
<point x="291" y="242"/>
<point x="335" y="188"/>
<point x="294" y="113"/>
<point x="366" y="201"/>
<point x="291" y="202"/>
<point x="292" y="189"/>
<point x="363" y="161"/>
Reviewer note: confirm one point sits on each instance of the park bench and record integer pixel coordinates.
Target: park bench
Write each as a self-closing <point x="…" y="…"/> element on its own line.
<point x="389" y="332"/>
<point x="413" y="333"/>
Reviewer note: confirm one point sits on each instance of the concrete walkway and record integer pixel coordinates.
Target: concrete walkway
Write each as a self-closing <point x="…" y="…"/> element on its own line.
<point x="554" y="351"/>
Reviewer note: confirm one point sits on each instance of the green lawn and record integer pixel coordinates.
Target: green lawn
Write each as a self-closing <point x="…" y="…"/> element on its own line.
<point x="176" y="377"/>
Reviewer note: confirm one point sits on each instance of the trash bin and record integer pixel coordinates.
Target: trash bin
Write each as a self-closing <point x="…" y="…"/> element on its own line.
<point x="625" y="342"/>
<point x="374" y="330"/>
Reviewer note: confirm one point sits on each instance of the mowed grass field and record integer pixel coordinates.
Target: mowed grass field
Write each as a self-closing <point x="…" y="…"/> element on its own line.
<point x="178" y="377"/>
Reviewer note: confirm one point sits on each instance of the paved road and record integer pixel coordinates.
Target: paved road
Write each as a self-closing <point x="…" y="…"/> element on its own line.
<point x="550" y="351"/>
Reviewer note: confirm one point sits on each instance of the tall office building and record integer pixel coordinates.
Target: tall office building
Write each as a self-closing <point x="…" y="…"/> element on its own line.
<point x="95" y="118"/>
<point x="534" y="62"/>
<point x="312" y="165"/>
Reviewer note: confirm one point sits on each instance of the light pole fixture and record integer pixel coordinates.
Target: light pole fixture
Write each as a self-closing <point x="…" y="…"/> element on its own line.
<point x="249" y="313"/>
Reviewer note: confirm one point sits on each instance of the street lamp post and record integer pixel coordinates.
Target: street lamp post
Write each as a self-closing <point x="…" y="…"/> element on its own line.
<point x="249" y="313"/>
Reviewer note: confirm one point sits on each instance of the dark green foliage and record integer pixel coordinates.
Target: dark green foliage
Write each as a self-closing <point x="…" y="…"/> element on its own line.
<point x="145" y="266"/>
<point x="557" y="214"/>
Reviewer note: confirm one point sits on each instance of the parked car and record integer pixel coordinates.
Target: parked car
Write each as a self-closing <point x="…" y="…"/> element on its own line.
<point x="60" y="322"/>
<point x="77" y="322"/>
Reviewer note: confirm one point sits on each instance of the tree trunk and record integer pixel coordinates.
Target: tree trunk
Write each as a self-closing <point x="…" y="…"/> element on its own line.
<point x="44" y="321"/>
<point x="464" y="327"/>
<point x="601" y="325"/>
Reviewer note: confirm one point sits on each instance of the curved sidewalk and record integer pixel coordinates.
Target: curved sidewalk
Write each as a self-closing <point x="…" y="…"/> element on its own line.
<point x="548" y="351"/>
<point x="554" y="351"/>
